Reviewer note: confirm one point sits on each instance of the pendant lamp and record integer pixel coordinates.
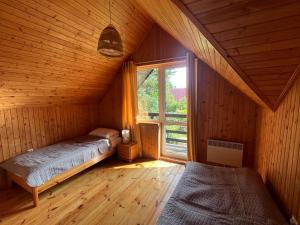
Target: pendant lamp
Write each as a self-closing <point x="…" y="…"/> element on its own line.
<point x="110" y="42"/>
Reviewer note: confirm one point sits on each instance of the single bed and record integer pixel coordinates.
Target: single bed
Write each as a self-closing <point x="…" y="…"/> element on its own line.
<point x="38" y="170"/>
<point x="210" y="195"/>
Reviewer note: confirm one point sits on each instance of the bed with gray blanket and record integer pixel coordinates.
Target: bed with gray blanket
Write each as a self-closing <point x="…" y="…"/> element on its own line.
<point x="41" y="165"/>
<point x="210" y="195"/>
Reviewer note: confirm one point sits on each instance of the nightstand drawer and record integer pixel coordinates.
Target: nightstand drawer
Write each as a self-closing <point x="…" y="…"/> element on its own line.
<point x="128" y="152"/>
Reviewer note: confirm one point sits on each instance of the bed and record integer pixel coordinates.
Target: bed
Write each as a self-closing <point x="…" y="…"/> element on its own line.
<point x="38" y="170"/>
<point x="211" y="195"/>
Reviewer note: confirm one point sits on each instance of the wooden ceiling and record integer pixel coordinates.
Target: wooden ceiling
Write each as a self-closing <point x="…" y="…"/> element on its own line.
<point x="48" y="49"/>
<point x="260" y="40"/>
<point x="172" y="19"/>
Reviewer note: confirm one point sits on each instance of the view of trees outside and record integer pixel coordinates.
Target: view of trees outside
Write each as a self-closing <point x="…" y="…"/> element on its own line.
<point x="174" y="106"/>
<point x="148" y="102"/>
<point x="148" y="95"/>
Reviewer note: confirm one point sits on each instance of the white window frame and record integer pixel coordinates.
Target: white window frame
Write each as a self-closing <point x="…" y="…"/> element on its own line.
<point x="161" y="101"/>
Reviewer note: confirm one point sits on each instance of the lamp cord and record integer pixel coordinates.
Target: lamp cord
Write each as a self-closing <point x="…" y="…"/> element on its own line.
<point x="109" y="13"/>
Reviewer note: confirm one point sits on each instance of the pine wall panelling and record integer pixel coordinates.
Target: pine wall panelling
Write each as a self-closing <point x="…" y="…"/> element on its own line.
<point x="224" y="114"/>
<point x="277" y="156"/>
<point x="158" y="46"/>
<point x="33" y="127"/>
<point x="111" y="105"/>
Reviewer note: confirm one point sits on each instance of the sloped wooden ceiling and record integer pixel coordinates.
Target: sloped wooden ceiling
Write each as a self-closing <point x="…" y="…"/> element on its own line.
<point x="254" y="44"/>
<point x="49" y="49"/>
<point x="261" y="37"/>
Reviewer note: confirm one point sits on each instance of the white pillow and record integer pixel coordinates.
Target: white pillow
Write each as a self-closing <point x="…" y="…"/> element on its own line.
<point x="104" y="132"/>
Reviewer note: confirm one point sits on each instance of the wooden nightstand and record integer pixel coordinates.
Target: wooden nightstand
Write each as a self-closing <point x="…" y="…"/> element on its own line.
<point x="128" y="152"/>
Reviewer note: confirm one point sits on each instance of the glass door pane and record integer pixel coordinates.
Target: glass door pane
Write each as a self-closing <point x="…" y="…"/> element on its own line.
<point x="148" y="94"/>
<point x="175" y="117"/>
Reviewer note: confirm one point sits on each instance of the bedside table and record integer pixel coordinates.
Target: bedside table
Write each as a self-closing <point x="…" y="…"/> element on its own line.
<point x="128" y="152"/>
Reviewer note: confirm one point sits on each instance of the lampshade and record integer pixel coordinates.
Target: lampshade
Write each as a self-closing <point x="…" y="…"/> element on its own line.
<point x="110" y="42"/>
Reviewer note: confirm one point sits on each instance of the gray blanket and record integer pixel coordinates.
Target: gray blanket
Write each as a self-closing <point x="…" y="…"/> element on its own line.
<point x="39" y="166"/>
<point x="209" y="195"/>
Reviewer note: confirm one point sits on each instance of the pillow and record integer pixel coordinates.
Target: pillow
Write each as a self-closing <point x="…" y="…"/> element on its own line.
<point x="104" y="132"/>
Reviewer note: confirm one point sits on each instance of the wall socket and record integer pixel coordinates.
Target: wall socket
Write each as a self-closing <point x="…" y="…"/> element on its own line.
<point x="293" y="221"/>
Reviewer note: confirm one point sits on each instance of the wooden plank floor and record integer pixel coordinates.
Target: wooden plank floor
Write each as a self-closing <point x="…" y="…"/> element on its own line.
<point x="111" y="192"/>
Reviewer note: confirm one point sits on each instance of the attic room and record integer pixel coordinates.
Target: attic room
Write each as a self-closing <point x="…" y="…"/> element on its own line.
<point x="150" y="112"/>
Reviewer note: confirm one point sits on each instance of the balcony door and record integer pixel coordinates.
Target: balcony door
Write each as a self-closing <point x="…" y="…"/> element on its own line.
<point x="162" y="98"/>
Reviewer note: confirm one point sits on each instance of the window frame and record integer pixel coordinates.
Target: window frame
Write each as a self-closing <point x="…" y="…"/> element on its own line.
<point x="161" y="121"/>
<point x="161" y="89"/>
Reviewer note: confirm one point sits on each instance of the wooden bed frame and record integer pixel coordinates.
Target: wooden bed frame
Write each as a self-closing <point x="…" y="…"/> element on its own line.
<point x="35" y="191"/>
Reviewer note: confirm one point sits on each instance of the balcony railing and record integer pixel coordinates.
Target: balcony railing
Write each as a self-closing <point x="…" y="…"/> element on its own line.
<point x="176" y="140"/>
<point x="170" y="115"/>
<point x="169" y="139"/>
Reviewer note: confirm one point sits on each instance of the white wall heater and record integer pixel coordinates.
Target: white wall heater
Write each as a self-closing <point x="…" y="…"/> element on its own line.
<point x="225" y="152"/>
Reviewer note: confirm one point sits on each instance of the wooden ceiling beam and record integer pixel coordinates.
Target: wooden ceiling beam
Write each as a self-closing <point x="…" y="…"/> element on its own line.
<point x="287" y="87"/>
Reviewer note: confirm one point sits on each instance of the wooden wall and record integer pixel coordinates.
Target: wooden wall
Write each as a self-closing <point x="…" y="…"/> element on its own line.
<point x="278" y="150"/>
<point x="158" y="46"/>
<point x="111" y="105"/>
<point x="224" y="113"/>
<point x="32" y="127"/>
<point x="49" y="58"/>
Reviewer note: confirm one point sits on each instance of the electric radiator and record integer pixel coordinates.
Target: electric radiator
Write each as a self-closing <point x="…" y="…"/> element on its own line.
<point x="225" y="153"/>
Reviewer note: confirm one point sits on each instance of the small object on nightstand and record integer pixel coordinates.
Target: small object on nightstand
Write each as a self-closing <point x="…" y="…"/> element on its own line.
<point x="128" y="152"/>
<point x="125" y="136"/>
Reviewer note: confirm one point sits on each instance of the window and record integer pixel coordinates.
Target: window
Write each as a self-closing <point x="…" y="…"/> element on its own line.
<point x="148" y="100"/>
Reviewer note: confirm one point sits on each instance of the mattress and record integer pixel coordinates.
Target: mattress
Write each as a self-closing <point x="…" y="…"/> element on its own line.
<point x="210" y="195"/>
<point x="39" y="166"/>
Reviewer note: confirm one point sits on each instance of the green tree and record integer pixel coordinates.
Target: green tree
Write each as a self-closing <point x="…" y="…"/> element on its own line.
<point x="172" y="105"/>
<point x="148" y="95"/>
